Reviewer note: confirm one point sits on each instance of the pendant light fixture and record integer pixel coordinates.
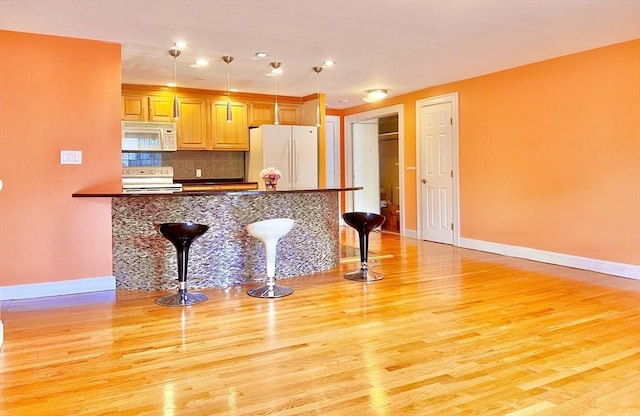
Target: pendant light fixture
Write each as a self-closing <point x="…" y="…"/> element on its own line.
<point x="275" y="71"/>
<point x="175" y="52"/>
<point x="317" y="70"/>
<point x="228" y="60"/>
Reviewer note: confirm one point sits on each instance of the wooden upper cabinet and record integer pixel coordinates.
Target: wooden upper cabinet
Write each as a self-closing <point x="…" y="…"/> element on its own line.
<point x="147" y="108"/>
<point x="161" y="108"/>
<point x="233" y="135"/>
<point x="264" y="113"/>
<point x="289" y="114"/>
<point x="191" y="125"/>
<point x="261" y="113"/>
<point x="135" y="107"/>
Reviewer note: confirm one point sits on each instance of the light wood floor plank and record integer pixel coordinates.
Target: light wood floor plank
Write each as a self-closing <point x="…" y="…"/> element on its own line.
<point x="448" y="331"/>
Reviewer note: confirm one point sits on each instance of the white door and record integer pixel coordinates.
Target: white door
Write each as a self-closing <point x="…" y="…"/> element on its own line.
<point x="304" y="157"/>
<point x="366" y="171"/>
<point x="436" y="174"/>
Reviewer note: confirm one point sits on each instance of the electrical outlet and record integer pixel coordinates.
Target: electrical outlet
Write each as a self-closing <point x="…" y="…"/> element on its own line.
<point x="198" y="173"/>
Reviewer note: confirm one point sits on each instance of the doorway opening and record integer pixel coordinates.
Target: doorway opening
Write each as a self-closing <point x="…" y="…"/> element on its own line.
<point x="389" y="175"/>
<point x="373" y="161"/>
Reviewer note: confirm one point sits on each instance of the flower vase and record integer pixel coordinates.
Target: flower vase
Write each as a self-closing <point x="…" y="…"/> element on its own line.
<point x="270" y="184"/>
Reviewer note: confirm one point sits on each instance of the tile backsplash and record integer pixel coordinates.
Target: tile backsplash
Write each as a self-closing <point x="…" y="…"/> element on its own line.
<point x="213" y="165"/>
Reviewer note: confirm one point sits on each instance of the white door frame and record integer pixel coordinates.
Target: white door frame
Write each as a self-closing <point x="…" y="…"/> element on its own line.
<point x="348" y="154"/>
<point x="440" y="99"/>
<point x="333" y="151"/>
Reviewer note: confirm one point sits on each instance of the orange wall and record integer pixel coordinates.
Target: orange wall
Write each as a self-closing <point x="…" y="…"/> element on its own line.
<point x="57" y="93"/>
<point x="549" y="154"/>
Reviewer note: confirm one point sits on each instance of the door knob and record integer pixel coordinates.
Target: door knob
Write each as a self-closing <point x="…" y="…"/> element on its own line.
<point x="424" y="181"/>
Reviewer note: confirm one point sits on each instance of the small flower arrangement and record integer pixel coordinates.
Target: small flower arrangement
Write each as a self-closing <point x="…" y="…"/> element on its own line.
<point x="270" y="173"/>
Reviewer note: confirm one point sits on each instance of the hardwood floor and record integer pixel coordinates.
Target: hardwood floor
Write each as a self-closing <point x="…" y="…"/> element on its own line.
<point x="448" y="331"/>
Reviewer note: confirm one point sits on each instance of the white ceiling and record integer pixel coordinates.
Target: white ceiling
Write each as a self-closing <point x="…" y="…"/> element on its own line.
<point x="401" y="45"/>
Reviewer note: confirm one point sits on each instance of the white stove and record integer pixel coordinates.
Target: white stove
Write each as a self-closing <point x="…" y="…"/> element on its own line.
<point x="149" y="180"/>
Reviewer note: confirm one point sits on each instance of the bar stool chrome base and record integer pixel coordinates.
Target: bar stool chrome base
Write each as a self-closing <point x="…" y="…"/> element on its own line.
<point x="364" y="276"/>
<point x="266" y="291"/>
<point x="181" y="299"/>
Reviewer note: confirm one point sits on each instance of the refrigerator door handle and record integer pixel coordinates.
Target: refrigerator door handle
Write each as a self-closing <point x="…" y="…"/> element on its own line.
<point x="295" y="163"/>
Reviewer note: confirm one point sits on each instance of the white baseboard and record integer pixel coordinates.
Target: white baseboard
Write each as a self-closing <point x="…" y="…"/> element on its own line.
<point x="631" y="271"/>
<point x="410" y="234"/>
<point x="65" y="287"/>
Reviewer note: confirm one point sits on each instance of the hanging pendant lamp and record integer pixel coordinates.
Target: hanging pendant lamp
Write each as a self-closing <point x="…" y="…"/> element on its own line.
<point x="175" y="52"/>
<point x="317" y="70"/>
<point x="275" y="71"/>
<point x="228" y="60"/>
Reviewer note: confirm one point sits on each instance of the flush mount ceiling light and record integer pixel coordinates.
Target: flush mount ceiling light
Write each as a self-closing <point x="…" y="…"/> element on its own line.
<point x="260" y="54"/>
<point x="377" y="94"/>
<point x="329" y="62"/>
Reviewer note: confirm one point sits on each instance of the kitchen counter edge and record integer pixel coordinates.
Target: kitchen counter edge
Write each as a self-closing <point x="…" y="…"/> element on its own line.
<point x="98" y="193"/>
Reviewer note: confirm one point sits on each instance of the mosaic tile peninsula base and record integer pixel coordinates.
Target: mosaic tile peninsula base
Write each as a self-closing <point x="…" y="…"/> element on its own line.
<point x="226" y="255"/>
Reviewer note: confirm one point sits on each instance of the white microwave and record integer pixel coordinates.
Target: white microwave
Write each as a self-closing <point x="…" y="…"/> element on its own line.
<point x="149" y="136"/>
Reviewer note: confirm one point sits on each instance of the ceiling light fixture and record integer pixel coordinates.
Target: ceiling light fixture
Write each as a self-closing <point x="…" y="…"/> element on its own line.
<point x="175" y="52"/>
<point x="200" y="63"/>
<point x="228" y="60"/>
<point x="329" y="62"/>
<point x="317" y="70"/>
<point x="377" y="94"/>
<point x="276" y="70"/>
<point x="261" y="55"/>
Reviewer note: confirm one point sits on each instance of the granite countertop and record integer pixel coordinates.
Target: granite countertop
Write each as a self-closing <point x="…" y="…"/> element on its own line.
<point x="199" y="189"/>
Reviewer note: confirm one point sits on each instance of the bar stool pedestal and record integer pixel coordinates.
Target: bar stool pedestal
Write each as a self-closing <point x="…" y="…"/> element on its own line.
<point x="182" y="234"/>
<point x="363" y="222"/>
<point x="269" y="232"/>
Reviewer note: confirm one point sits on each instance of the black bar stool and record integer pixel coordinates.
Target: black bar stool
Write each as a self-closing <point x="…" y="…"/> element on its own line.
<point x="182" y="234"/>
<point x="363" y="222"/>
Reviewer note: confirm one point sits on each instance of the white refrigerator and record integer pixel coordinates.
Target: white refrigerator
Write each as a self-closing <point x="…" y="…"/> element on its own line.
<point x="293" y="150"/>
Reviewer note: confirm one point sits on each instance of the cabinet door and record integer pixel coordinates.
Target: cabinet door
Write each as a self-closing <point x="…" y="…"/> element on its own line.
<point x="229" y="136"/>
<point x="161" y="108"/>
<point x="135" y="107"/>
<point x="261" y="113"/>
<point x="192" y="124"/>
<point x="289" y="114"/>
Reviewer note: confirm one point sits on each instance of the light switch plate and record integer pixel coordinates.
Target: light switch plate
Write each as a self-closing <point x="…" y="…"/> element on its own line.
<point x="70" y="157"/>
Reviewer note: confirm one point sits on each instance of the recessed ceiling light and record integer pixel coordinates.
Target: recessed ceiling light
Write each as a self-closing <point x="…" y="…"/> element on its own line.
<point x="180" y="44"/>
<point x="329" y="62"/>
<point x="261" y="54"/>
<point x="171" y="84"/>
<point x="343" y="101"/>
<point x="199" y="63"/>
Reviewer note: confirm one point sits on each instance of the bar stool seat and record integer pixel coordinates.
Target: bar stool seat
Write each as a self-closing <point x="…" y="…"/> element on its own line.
<point x="182" y="234"/>
<point x="363" y="222"/>
<point x="269" y="232"/>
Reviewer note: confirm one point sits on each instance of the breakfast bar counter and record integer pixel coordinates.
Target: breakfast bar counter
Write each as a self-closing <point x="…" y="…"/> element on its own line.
<point x="226" y="255"/>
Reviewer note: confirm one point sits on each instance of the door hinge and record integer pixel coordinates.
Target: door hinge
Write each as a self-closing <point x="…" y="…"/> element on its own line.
<point x="452" y="174"/>
<point x="451" y="226"/>
<point x="451" y="121"/>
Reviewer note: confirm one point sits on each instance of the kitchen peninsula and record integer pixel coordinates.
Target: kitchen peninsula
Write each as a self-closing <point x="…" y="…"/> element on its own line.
<point x="226" y="255"/>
